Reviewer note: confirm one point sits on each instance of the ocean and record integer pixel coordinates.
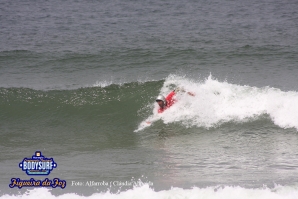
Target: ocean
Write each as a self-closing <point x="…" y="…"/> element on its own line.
<point x="79" y="79"/>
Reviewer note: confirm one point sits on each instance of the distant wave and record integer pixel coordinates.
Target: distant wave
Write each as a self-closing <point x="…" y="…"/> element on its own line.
<point x="15" y="51"/>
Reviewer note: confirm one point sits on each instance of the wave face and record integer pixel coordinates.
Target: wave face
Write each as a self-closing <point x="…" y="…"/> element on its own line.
<point x="218" y="102"/>
<point x="214" y="103"/>
<point x="105" y="112"/>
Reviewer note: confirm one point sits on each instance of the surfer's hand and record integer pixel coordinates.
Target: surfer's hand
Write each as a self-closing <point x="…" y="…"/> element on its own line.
<point x="191" y="94"/>
<point x="178" y="89"/>
<point x="148" y="122"/>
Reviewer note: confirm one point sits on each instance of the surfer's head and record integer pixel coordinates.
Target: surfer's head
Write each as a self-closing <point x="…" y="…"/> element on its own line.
<point x="161" y="100"/>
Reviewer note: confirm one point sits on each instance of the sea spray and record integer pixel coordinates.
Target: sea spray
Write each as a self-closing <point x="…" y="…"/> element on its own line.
<point x="218" y="102"/>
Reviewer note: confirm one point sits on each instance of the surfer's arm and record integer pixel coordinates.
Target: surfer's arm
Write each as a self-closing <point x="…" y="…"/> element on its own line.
<point x="178" y="89"/>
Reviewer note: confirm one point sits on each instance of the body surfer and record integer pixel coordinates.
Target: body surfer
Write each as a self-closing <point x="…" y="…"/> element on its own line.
<point x="166" y="102"/>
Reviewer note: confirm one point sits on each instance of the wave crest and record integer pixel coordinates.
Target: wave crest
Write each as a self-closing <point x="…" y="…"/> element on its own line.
<point x="218" y="102"/>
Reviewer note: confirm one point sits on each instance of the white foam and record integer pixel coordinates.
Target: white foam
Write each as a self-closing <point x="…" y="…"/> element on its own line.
<point x="106" y="83"/>
<point x="219" y="102"/>
<point x="145" y="192"/>
<point x="102" y="84"/>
